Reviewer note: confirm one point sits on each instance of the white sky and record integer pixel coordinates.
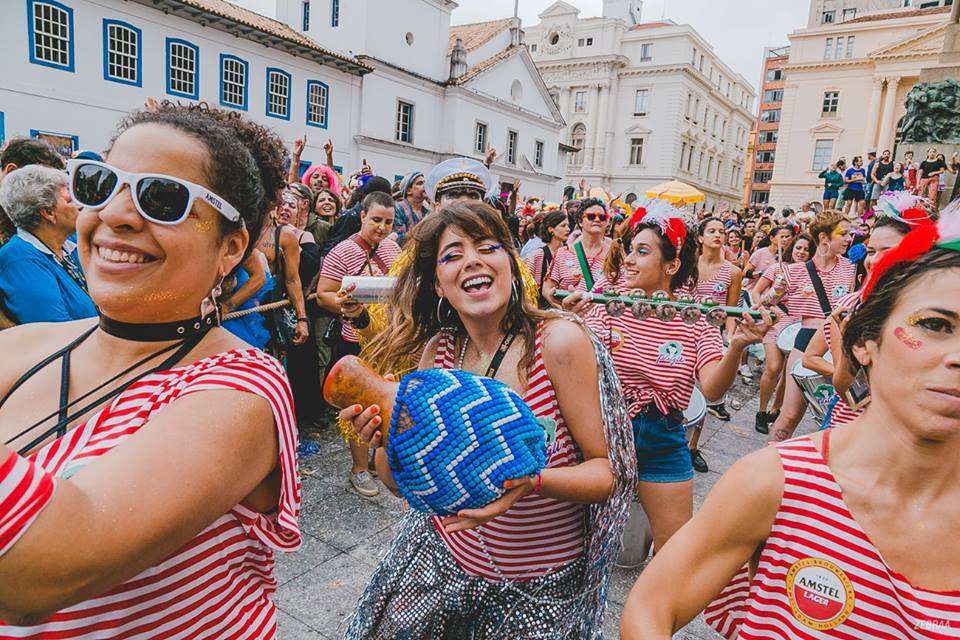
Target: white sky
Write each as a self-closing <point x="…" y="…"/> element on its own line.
<point x="737" y="29"/>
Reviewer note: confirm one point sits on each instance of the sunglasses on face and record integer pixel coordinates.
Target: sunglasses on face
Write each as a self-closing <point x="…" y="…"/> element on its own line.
<point x="158" y="198"/>
<point x="595" y="217"/>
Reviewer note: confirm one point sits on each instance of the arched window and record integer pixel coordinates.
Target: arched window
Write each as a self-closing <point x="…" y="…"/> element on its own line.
<point x="578" y="137"/>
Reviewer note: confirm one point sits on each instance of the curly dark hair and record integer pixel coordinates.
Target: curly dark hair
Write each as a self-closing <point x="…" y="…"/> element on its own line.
<point x="685" y="275"/>
<point x="867" y="320"/>
<point x="587" y="203"/>
<point x="246" y="160"/>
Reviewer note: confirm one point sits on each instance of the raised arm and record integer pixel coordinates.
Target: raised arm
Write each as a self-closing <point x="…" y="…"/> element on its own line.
<point x="717" y="376"/>
<point x="702" y="558"/>
<point x="295" y="154"/>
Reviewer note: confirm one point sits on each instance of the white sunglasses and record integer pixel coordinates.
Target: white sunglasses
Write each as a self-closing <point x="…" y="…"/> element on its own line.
<point x="159" y="198"/>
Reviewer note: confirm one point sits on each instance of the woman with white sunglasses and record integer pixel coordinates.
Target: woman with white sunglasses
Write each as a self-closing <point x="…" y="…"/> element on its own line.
<point x="131" y="503"/>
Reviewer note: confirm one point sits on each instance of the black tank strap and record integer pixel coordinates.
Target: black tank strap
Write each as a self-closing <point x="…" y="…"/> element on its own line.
<point x="64" y="391"/>
<point x="64" y="419"/>
<point x="43" y="363"/>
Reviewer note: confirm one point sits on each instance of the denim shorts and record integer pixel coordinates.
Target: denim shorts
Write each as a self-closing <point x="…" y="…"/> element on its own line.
<point x="831" y="194"/>
<point x="661" y="445"/>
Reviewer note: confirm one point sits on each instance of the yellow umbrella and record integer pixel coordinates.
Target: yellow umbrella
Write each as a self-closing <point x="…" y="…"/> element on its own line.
<point x="675" y="192"/>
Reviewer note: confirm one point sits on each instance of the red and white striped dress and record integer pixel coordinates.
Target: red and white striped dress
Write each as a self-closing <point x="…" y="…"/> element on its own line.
<point x="656" y="361"/>
<point x="537" y="534"/>
<point x="220" y="584"/>
<point x="535" y="264"/>
<point x="566" y="271"/>
<point x="842" y="413"/>
<point x="801" y="297"/>
<point x="784" y="320"/>
<point x="820" y="576"/>
<point x="347" y="258"/>
<point x="718" y="286"/>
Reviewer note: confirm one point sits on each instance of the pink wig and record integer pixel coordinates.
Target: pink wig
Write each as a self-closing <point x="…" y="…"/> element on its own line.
<point x="333" y="179"/>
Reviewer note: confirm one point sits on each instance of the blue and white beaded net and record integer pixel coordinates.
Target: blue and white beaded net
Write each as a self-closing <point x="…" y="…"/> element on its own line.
<point x="456" y="437"/>
<point x="419" y="591"/>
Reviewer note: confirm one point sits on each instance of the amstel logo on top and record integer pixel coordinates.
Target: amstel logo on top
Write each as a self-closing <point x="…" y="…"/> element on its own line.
<point x="820" y="593"/>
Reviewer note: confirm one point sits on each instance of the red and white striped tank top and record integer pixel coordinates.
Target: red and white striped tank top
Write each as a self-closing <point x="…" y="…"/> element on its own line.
<point x="801" y="297"/>
<point x="717" y="286"/>
<point x="538" y="533"/>
<point x="819" y="576"/>
<point x="656" y="361"/>
<point x="220" y="584"/>
<point x="842" y="413"/>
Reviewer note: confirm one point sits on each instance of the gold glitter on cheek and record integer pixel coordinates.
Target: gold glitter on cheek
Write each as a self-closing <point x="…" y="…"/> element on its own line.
<point x="203" y="226"/>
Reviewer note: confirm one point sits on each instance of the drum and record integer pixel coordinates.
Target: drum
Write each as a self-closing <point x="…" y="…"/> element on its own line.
<point x="637" y="539"/>
<point x="788" y="335"/>
<point x="817" y="389"/>
<point x="696" y="411"/>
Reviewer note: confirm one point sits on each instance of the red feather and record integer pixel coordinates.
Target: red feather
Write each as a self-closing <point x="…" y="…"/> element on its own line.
<point x="637" y="217"/>
<point x="676" y="232"/>
<point x="915" y="216"/>
<point x="914" y="244"/>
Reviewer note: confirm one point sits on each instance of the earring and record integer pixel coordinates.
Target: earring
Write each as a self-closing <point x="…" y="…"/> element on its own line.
<point x="514" y="294"/>
<point x="439" y="304"/>
<point x="210" y="305"/>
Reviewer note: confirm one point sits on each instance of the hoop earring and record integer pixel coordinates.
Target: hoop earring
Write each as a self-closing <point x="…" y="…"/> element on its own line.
<point x="210" y="304"/>
<point x="514" y="294"/>
<point x="439" y="304"/>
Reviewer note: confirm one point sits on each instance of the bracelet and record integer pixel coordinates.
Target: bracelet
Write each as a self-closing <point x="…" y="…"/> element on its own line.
<point x="303" y="320"/>
<point x="28" y="489"/>
<point x="537" y="483"/>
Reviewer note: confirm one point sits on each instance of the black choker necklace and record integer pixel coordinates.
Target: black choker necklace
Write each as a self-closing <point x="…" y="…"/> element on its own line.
<point x="158" y="331"/>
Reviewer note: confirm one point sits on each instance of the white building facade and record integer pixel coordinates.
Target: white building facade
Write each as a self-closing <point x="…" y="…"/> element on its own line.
<point x="419" y="109"/>
<point x="644" y="102"/>
<point x="75" y="67"/>
<point x="373" y="77"/>
<point x="845" y="90"/>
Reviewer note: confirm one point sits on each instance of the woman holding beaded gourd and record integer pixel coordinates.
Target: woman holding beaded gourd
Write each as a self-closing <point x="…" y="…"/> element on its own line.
<point x="659" y="356"/>
<point x="460" y="302"/>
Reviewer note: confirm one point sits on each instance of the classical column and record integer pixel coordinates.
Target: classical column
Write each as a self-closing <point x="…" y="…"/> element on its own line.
<point x="566" y="104"/>
<point x="592" y="102"/>
<point x="889" y="112"/>
<point x="873" y="116"/>
<point x="599" y="156"/>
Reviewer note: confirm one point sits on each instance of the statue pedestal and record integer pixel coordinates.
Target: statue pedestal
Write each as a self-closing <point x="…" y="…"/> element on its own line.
<point x="949" y="58"/>
<point x="949" y="69"/>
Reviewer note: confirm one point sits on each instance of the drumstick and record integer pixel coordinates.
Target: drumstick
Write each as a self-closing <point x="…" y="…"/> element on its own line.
<point x="628" y="300"/>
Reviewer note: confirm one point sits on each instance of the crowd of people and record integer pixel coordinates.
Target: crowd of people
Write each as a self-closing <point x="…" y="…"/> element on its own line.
<point x="187" y="287"/>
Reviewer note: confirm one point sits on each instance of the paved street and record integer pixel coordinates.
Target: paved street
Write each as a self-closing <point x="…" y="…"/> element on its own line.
<point x="345" y="534"/>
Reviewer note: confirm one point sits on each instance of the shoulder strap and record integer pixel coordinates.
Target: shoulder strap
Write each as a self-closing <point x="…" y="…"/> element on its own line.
<point x="584" y="267"/>
<point x="371" y="253"/>
<point x="280" y="262"/>
<point x="43" y="363"/>
<point x="545" y="264"/>
<point x="818" y="287"/>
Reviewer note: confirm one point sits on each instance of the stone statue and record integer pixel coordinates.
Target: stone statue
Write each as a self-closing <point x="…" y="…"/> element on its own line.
<point x="932" y="109"/>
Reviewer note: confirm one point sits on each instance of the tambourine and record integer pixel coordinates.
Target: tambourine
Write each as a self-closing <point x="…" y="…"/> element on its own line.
<point x="660" y="305"/>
